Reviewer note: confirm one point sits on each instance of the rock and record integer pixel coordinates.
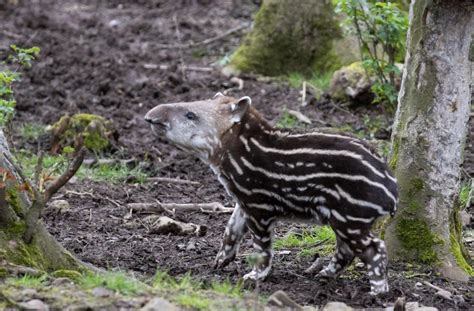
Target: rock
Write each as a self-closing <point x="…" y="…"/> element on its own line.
<point x="159" y="304"/>
<point x="60" y="205"/>
<point x="281" y="300"/>
<point x="102" y="292"/>
<point x="61" y="281"/>
<point x="28" y="293"/>
<point x="337" y="306"/>
<point x="351" y="84"/>
<point x="35" y="304"/>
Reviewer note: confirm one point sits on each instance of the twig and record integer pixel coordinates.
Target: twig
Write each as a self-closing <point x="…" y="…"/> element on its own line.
<point x="173" y="180"/>
<point x="213" y="207"/>
<point x="39" y="170"/>
<point x="204" y="42"/>
<point x="303" y="94"/>
<point x="68" y="174"/>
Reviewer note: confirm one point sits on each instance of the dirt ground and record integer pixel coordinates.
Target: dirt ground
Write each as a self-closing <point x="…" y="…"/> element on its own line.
<point x="106" y="57"/>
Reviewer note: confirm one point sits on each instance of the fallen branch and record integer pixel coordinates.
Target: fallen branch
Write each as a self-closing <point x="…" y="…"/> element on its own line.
<point x="158" y="207"/>
<point x="440" y="292"/>
<point x="204" y="42"/>
<point x="173" y="180"/>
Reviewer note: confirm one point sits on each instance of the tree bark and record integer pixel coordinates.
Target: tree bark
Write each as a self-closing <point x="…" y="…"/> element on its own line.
<point x="43" y="252"/>
<point x="429" y="135"/>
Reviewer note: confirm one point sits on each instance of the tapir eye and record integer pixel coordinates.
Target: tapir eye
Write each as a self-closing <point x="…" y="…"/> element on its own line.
<point x="191" y="115"/>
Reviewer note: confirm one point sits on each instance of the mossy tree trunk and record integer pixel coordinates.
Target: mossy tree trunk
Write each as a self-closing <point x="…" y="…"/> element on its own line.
<point x="290" y="36"/>
<point x="43" y="253"/>
<point x="429" y="134"/>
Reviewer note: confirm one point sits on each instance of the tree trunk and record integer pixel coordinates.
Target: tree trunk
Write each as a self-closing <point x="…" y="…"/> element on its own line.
<point x="429" y="135"/>
<point x="289" y="37"/>
<point x="43" y="253"/>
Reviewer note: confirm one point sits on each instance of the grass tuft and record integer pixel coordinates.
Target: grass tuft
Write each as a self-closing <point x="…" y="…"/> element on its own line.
<point x="28" y="281"/>
<point x="56" y="164"/>
<point x="307" y="239"/>
<point x="116" y="281"/>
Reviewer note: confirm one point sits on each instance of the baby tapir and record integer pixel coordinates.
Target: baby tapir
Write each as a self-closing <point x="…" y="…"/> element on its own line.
<point x="276" y="175"/>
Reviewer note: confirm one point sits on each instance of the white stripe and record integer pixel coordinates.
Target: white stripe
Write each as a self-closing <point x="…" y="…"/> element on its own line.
<point x="317" y="175"/>
<point x="306" y="198"/>
<point x="339" y="232"/>
<point x="338" y="216"/>
<point x="364" y="220"/>
<point x="266" y="207"/>
<point x="372" y="153"/>
<point x="318" y="152"/>
<point x="353" y="231"/>
<point x="361" y="203"/>
<point x="279" y="133"/>
<point x="324" y="211"/>
<point x="267" y="193"/>
<point x="245" y="142"/>
<point x="269" y="220"/>
<point x="390" y="177"/>
<point x="376" y="257"/>
<point x="235" y="164"/>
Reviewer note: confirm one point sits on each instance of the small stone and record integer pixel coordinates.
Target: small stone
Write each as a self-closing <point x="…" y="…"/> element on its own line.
<point x="159" y="304"/>
<point x="418" y="285"/>
<point x="114" y="23"/>
<point x="191" y="246"/>
<point x="35" y="304"/>
<point x="102" y="292"/>
<point x="61" y="281"/>
<point x="28" y="293"/>
<point x="360" y="265"/>
<point x="337" y="306"/>
<point x="60" y="205"/>
<point x="458" y="298"/>
<point x="411" y="306"/>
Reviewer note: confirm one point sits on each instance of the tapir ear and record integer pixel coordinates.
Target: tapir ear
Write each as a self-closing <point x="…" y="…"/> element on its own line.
<point x="239" y="108"/>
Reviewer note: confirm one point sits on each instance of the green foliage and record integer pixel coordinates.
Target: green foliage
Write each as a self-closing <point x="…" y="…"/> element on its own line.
<point x="193" y="300"/>
<point x="226" y="288"/>
<point x="24" y="58"/>
<point x="32" y="131"/>
<point x="287" y="121"/>
<point x="28" y="281"/>
<point x="116" y="281"/>
<point x="56" y="164"/>
<point x="318" y="81"/>
<point x="466" y="193"/>
<point x="381" y="30"/>
<point x="307" y="239"/>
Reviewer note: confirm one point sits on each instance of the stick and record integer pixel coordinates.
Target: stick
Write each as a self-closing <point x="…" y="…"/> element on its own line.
<point x="204" y="42"/>
<point x="180" y="48"/>
<point x="64" y="178"/>
<point x="173" y="180"/>
<point x="213" y="207"/>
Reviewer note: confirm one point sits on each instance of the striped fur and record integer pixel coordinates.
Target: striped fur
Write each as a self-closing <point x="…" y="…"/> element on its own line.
<point x="324" y="178"/>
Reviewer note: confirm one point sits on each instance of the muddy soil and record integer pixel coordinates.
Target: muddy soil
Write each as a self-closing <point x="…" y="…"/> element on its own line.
<point x="107" y="58"/>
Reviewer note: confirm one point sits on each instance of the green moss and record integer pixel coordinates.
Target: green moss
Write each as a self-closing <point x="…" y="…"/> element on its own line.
<point x="95" y="130"/>
<point x="455" y="235"/>
<point x="13" y="199"/>
<point x="289" y="37"/>
<point x="417" y="240"/>
<point x="394" y="155"/>
<point x="70" y="274"/>
<point x="3" y="272"/>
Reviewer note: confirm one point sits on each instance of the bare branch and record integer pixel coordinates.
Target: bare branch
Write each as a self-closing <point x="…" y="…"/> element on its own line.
<point x="72" y="168"/>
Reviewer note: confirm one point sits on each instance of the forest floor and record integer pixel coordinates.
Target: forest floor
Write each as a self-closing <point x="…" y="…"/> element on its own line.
<point x="107" y="58"/>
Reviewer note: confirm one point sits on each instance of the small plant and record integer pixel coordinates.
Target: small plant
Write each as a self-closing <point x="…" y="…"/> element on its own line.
<point x="32" y="131"/>
<point x="193" y="300"/>
<point x="381" y="30"/>
<point x="466" y="194"/>
<point x="227" y="288"/>
<point x="116" y="281"/>
<point x="322" y="237"/>
<point x="23" y="58"/>
<point x="287" y="121"/>
<point x="28" y="281"/>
